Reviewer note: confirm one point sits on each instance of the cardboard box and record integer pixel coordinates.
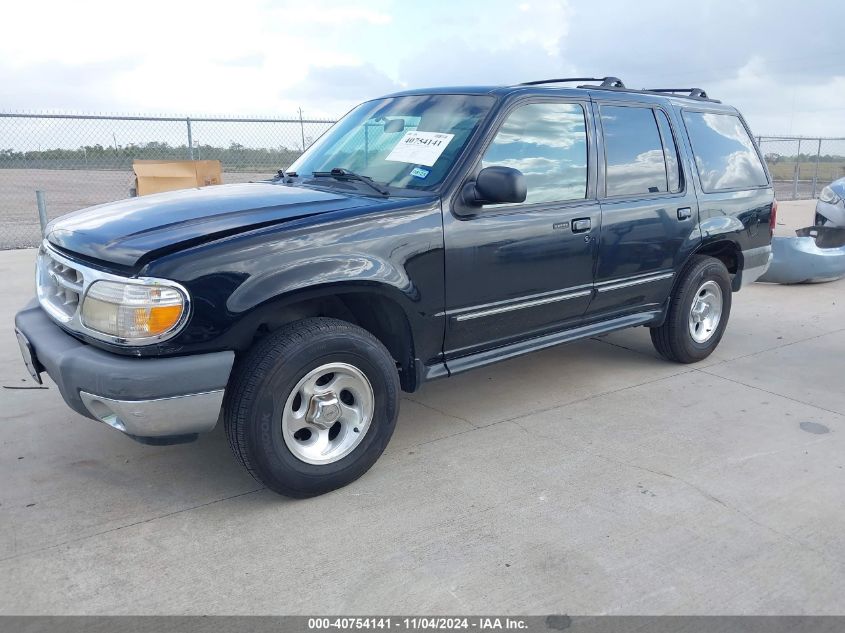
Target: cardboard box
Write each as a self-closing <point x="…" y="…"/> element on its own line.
<point x="154" y="176"/>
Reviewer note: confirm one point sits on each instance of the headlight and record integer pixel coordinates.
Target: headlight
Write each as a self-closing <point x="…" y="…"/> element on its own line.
<point x="829" y="195"/>
<point x="132" y="311"/>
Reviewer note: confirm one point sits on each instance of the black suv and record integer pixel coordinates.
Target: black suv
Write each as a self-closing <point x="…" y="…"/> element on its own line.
<point x="427" y="233"/>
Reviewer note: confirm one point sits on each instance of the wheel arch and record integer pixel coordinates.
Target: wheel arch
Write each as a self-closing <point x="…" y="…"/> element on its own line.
<point x="728" y="252"/>
<point x="375" y="307"/>
<point x="725" y="250"/>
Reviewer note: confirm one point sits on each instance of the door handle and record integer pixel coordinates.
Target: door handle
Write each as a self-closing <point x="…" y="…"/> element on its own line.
<point x="684" y="213"/>
<point x="581" y="225"/>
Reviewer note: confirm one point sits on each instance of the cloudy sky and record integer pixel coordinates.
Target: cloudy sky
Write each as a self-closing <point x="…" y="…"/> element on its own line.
<point x="782" y="63"/>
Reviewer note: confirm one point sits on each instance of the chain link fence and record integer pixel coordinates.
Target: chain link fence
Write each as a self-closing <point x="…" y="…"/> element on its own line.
<point x="80" y="161"/>
<point x="801" y="166"/>
<point x="77" y="161"/>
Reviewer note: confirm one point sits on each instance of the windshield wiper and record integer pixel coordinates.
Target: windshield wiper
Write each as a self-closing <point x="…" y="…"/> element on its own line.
<point x="339" y="173"/>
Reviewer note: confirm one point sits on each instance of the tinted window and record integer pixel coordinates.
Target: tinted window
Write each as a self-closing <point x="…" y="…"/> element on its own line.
<point x="724" y="153"/>
<point x="547" y="142"/>
<point x="633" y="151"/>
<point x="670" y="151"/>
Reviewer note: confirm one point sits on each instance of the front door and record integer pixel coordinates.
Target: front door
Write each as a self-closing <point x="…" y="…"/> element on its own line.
<point x="514" y="271"/>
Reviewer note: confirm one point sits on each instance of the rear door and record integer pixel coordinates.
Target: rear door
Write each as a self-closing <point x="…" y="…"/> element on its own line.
<point x="649" y="212"/>
<point x="514" y="271"/>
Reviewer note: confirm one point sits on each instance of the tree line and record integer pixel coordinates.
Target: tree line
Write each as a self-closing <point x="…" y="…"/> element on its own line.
<point x="235" y="157"/>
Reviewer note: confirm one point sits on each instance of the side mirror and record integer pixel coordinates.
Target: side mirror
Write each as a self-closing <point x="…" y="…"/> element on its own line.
<point x="394" y="125"/>
<point x="495" y="185"/>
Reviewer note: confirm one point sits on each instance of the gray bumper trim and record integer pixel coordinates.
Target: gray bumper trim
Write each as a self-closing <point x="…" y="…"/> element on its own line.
<point x="76" y="367"/>
<point x="756" y="262"/>
<point x="179" y="415"/>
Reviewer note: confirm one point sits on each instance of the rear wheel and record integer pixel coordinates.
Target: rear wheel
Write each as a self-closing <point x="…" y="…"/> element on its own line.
<point x="698" y="312"/>
<point x="312" y="406"/>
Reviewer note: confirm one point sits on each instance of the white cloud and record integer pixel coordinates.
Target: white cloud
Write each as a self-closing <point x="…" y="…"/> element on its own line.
<point x="544" y="125"/>
<point x="741" y="169"/>
<point x="270" y="57"/>
<point x="645" y="171"/>
<point x="165" y="56"/>
<point x="536" y="165"/>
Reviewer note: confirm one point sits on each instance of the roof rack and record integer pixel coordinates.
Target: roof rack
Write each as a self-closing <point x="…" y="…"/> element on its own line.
<point x="616" y="84"/>
<point x="694" y="93"/>
<point x="606" y="82"/>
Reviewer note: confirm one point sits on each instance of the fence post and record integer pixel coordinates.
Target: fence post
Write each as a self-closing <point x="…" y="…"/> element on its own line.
<point x="302" y="129"/>
<point x="795" y="172"/>
<point x="190" y="139"/>
<point x="42" y="210"/>
<point x="816" y="170"/>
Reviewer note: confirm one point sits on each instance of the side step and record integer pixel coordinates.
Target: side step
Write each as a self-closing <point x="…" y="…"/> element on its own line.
<point x="487" y="357"/>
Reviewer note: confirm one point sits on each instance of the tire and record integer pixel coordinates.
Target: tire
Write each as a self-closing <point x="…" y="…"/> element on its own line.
<point x="277" y="386"/>
<point x="679" y="339"/>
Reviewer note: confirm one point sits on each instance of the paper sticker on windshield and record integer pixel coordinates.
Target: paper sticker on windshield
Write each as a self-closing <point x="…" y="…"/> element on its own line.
<point x="419" y="172"/>
<point x="420" y="148"/>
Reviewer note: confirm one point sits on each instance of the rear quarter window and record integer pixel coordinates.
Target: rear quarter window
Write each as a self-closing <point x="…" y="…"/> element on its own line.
<point x="724" y="152"/>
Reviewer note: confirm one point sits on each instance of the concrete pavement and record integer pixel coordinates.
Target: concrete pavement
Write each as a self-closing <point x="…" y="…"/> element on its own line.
<point x="591" y="478"/>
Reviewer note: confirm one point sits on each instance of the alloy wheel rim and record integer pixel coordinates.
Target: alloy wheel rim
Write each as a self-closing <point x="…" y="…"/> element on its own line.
<point x="705" y="312"/>
<point x="328" y="413"/>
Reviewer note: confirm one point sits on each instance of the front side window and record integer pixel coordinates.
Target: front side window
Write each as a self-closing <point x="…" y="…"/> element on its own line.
<point x="634" y="158"/>
<point x="547" y="142"/>
<point x="407" y="142"/>
<point x="724" y="152"/>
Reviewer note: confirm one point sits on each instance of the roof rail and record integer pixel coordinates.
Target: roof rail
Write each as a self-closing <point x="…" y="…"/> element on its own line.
<point x="607" y="82"/>
<point x="694" y="93"/>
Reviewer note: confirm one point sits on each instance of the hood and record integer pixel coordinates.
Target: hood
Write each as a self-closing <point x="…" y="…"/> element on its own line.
<point x="126" y="231"/>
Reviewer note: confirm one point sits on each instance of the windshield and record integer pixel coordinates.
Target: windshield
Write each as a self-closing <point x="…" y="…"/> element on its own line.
<point x="407" y="142"/>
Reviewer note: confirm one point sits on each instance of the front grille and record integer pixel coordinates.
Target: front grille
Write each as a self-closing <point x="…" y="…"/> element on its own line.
<point x="60" y="285"/>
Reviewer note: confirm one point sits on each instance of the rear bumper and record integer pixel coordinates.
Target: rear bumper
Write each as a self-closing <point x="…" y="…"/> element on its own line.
<point x="801" y="260"/>
<point x="142" y="397"/>
<point x="755" y="263"/>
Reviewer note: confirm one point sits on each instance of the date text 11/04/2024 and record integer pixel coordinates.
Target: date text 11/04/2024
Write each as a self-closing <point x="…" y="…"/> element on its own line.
<point x="490" y="623"/>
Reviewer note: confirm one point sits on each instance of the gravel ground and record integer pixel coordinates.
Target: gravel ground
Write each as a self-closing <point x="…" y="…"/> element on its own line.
<point x="66" y="191"/>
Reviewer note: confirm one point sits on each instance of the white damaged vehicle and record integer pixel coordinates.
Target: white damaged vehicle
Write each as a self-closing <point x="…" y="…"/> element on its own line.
<point x="817" y="253"/>
<point x="830" y="208"/>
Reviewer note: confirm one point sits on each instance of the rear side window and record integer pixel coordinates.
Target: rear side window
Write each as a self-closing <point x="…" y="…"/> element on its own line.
<point x="724" y="153"/>
<point x="635" y="163"/>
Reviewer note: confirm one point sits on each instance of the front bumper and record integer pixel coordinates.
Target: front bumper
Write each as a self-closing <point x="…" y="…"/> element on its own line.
<point x="146" y="398"/>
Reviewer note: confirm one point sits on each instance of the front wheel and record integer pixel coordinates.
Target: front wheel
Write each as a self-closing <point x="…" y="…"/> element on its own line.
<point x="312" y="406"/>
<point x="698" y="312"/>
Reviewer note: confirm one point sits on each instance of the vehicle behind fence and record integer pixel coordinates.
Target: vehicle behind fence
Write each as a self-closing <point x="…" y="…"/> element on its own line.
<point x="77" y="161"/>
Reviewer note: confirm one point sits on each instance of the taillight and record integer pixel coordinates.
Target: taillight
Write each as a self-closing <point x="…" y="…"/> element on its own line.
<point x="773" y="217"/>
